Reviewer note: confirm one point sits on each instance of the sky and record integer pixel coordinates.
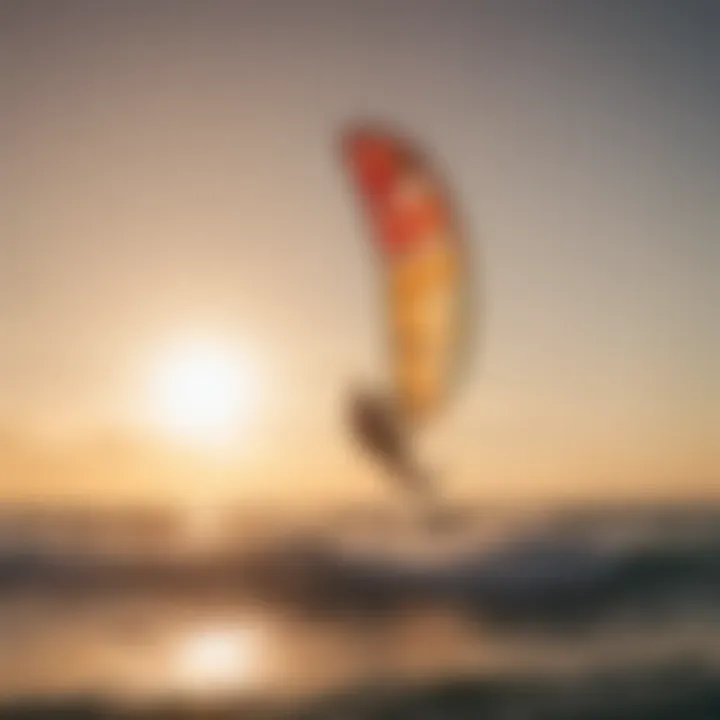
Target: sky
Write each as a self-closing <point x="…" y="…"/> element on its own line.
<point x="169" y="170"/>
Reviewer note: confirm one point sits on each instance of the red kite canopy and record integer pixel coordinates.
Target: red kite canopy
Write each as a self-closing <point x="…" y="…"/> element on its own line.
<point x="424" y="266"/>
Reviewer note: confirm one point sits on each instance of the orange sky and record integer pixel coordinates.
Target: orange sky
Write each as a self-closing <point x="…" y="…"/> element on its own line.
<point x="169" y="171"/>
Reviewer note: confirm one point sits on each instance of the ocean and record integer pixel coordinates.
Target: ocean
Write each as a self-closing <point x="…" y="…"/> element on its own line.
<point x="364" y="612"/>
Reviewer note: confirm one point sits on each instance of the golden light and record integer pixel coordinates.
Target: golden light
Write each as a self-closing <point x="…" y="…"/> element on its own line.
<point x="223" y="658"/>
<point x="205" y="391"/>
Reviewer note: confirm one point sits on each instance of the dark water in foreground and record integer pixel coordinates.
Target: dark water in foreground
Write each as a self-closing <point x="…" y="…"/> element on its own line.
<point x="574" y="613"/>
<point x="670" y="693"/>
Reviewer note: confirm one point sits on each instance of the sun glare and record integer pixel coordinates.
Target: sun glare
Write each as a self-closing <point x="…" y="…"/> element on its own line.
<point x="205" y="392"/>
<point x="217" y="658"/>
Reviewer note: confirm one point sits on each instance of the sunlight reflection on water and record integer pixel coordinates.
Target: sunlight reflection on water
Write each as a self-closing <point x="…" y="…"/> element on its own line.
<point x="147" y="646"/>
<point x="217" y="658"/>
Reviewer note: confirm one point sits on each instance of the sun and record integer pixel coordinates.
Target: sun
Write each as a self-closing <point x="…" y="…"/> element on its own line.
<point x="205" y="391"/>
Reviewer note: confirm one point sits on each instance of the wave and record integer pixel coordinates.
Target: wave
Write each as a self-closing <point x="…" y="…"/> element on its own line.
<point x="561" y="568"/>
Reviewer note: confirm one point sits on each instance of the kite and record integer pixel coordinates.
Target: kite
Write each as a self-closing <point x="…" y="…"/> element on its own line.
<point x="421" y="252"/>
